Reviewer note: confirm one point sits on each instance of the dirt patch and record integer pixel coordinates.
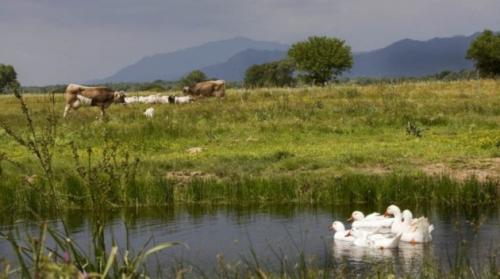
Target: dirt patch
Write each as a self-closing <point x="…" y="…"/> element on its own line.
<point x="184" y="177"/>
<point x="482" y="170"/>
<point x="194" y="150"/>
<point x="377" y="170"/>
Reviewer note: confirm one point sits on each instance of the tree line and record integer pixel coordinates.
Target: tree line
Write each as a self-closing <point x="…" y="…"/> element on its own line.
<point x="317" y="61"/>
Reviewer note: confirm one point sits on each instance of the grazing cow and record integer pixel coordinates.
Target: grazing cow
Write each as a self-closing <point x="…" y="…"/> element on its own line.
<point x="149" y="113"/>
<point x="102" y="97"/>
<point x="206" y="89"/>
<point x="179" y="99"/>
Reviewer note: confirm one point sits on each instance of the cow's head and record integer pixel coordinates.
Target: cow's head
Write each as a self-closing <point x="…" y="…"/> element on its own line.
<point x="185" y="90"/>
<point x="119" y="97"/>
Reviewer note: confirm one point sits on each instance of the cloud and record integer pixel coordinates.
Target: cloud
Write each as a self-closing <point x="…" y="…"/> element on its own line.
<point x="58" y="41"/>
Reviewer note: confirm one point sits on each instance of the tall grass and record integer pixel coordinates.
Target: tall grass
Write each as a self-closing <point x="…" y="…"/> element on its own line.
<point x="66" y="259"/>
<point x="346" y="189"/>
<point x="339" y="144"/>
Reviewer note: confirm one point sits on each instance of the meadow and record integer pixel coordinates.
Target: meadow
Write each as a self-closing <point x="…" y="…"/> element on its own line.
<point x="409" y="141"/>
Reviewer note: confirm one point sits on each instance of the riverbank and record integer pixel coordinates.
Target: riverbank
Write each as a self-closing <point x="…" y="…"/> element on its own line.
<point x="292" y="144"/>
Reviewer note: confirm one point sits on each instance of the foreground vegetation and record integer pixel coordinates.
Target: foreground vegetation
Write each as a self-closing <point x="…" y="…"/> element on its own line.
<point x="422" y="141"/>
<point x="66" y="259"/>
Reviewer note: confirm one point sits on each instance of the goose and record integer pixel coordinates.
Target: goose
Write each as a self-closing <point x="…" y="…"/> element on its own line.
<point x="374" y="220"/>
<point x="340" y="232"/>
<point x="397" y="226"/>
<point x="416" y="230"/>
<point x="375" y="239"/>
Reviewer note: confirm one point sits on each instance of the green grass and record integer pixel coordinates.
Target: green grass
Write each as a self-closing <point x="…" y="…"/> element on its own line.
<point x="270" y="144"/>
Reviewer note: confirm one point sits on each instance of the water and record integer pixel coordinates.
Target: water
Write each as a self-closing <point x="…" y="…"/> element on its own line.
<point x="275" y="233"/>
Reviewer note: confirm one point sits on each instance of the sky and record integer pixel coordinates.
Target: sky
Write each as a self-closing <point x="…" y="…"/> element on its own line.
<point x="61" y="41"/>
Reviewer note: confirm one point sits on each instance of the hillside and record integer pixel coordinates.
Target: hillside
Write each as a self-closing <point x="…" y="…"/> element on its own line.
<point x="414" y="58"/>
<point x="229" y="60"/>
<point x="171" y="66"/>
<point x="234" y="68"/>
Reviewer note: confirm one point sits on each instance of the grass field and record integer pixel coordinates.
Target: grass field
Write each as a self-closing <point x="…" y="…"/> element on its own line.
<point x="265" y="137"/>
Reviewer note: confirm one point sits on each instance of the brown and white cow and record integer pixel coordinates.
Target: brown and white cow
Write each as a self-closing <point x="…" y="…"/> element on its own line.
<point x="209" y="88"/>
<point x="102" y="97"/>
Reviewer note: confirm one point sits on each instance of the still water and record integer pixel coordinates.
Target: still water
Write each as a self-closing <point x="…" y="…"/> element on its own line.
<point x="274" y="233"/>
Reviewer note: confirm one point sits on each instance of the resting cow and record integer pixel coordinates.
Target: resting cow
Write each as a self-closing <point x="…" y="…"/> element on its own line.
<point x="206" y="89"/>
<point x="102" y="97"/>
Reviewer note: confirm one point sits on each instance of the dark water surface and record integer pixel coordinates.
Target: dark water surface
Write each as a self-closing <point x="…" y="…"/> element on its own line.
<point x="275" y="233"/>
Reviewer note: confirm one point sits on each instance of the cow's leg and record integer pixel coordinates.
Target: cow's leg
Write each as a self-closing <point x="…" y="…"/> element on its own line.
<point x="66" y="110"/>
<point x="76" y="104"/>
<point x="103" y="112"/>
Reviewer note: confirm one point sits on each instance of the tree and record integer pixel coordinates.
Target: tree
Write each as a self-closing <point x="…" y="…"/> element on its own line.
<point x="321" y="58"/>
<point x="485" y="51"/>
<point x="278" y="73"/>
<point x="8" y="77"/>
<point x="192" y="78"/>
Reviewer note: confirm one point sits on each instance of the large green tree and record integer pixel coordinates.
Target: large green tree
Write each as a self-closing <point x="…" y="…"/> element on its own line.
<point x="278" y="73"/>
<point x="192" y="78"/>
<point x="8" y="77"/>
<point x="485" y="51"/>
<point x="321" y="58"/>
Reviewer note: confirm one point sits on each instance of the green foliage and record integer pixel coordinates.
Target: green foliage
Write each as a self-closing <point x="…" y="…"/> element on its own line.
<point x="38" y="259"/>
<point x="485" y="51"/>
<point x="8" y="77"/>
<point x="274" y="74"/>
<point x="192" y="78"/>
<point x="321" y="58"/>
<point x="258" y="134"/>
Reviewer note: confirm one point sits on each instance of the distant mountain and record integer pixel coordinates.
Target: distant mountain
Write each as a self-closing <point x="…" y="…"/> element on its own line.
<point x="234" y="68"/>
<point x="173" y="65"/>
<point x="229" y="59"/>
<point x="411" y="58"/>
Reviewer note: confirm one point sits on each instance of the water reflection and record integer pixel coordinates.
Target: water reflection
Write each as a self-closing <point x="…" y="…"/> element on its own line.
<point x="234" y="231"/>
<point x="343" y="251"/>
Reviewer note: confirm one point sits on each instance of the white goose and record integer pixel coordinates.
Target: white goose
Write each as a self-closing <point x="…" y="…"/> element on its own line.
<point x="414" y="231"/>
<point x="374" y="220"/>
<point x="375" y="240"/>
<point x="397" y="226"/>
<point x="417" y="230"/>
<point x="341" y="234"/>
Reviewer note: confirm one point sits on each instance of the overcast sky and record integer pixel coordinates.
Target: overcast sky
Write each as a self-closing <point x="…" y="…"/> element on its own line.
<point x="59" y="41"/>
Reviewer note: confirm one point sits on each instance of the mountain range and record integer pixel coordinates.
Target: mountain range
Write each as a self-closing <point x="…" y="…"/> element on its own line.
<point x="229" y="59"/>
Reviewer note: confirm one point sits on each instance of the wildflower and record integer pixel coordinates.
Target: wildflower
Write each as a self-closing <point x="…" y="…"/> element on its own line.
<point x="66" y="257"/>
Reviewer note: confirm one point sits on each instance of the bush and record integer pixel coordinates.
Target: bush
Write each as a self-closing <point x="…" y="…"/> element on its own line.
<point x="485" y="51"/>
<point x="192" y="78"/>
<point x="8" y="77"/>
<point x="274" y="74"/>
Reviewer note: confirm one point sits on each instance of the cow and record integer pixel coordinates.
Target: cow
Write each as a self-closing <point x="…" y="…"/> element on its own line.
<point x="102" y="97"/>
<point x="179" y="99"/>
<point x="131" y="100"/>
<point x="206" y="89"/>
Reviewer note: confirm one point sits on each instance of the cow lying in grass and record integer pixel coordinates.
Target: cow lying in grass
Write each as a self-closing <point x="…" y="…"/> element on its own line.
<point x="209" y="88"/>
<point x="102" y="97"/>
<point x="157" y="99"/>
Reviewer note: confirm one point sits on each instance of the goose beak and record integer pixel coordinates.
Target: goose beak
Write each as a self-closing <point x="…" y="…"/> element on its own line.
<point x="330" y="228"/>
<point x="350" y="219"/>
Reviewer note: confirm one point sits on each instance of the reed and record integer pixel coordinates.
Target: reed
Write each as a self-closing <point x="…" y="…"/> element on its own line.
<point x="338" y="144"/>
<point x="36" y="258"/>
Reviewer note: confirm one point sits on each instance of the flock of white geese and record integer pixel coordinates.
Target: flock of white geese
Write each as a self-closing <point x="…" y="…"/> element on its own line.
<point x="383" y="232"/>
